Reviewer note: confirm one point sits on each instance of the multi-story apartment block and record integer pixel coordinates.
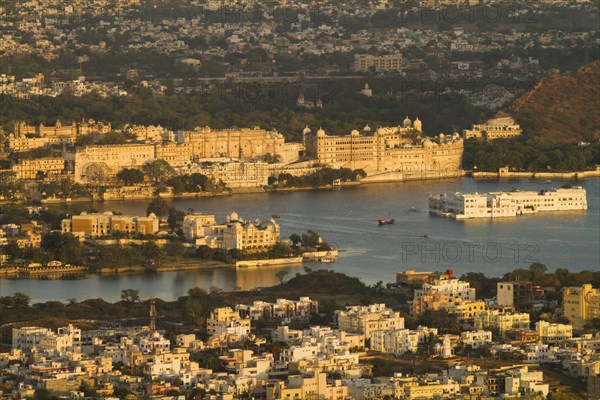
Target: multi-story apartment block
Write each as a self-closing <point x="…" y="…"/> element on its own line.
<point x="418" y="278"/>
<point x="225" y="317"/>
<point x="104" y="224"/>
<point x="502" y="320"/>
<point x="436" y="295"/>
<point x="553" y="333"/>
<point x="364" y="62"/>
<point x="67" y="339"/>
<point x="365" y="320"/>
<point x="518" y="295"/>
<point x="400" y="341"/>
<point x="389" y="149"/>
<point x="476" y="339"/>
<point x="281" y="309"/>
<point x="581" y="304"/>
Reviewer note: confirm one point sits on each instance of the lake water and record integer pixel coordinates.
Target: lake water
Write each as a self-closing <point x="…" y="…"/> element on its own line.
<point x="347" y="219"/>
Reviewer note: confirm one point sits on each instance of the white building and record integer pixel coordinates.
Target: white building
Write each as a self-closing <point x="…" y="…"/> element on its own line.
<point x="453" y="287"/>
<point x="67" y="339"/>
<point x="476" y="339"/>
<point x="507" y="204"/>
<point x="401" y="341"/>
<point x="367" y="319"/>
<point x="281" y="309"/>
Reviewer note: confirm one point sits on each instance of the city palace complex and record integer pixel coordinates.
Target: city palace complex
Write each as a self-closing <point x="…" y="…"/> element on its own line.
<point x="238" y="157"/>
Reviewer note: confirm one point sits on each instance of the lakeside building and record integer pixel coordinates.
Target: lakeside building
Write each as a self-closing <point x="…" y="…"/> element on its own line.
<point x="96" y="224"/>
<point x="34" y="168"/>
<point x="366" y="320"/>
<point x="235" y="233"/>
<point x="581" y="304"/>
<point x="518" y="295"/>
<point x="101" y="162"/>
<point x="239" y="144"/>
<point x="27" y="137"/>
<point x="283" y="309"/>
<point x="389" y="149"/>
<point x="507" y="204"/>
<point x="388" y="62"/>
<point x="496" y="128"/>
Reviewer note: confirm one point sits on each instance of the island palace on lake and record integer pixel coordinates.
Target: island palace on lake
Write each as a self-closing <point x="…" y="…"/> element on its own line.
<point x="507" y="204"/>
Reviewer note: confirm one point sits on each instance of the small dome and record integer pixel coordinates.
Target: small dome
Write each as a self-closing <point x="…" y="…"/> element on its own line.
<point x="306" y="130"/>
<point x="367" y="128"/>
<point x="407" y="122"/>
<point x="427" y="143"/>
<point x="442" y="136"/>
<point x="320" y="132"/>
<point x="234" y="216"/>
<point x="355" y="133"/>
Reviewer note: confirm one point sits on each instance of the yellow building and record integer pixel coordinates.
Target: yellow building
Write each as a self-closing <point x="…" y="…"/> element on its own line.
<point x="36" y="167"/>
<point x="552" y="332"/>
<point x="26" y="137"/>
<point x="389" y="149"/>
<point x="245" y="143"/>
<point x="221" y="318"/>
<point x="367" y="319"/>
<point x="104" y="224"/>
<point x="388" y="62"/>
<point x="497" y="128"/>
<point x="98" y="163"/>
<point x="581" y="304"/>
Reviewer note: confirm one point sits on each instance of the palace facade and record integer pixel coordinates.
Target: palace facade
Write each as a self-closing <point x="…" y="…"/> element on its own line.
<point x="388" y="149"/>
<point x="242" y="144"/>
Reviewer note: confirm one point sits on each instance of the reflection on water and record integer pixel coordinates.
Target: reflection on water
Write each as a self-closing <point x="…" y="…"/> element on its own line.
<point x="347" y="218"/>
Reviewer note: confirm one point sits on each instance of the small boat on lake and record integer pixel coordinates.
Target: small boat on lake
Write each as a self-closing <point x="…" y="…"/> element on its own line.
<point x="385" y="222"/>
<point x="275" y="216"/>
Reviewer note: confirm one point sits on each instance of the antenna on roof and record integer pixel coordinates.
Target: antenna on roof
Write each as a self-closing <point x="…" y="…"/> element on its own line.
<point x="152" y="314"/>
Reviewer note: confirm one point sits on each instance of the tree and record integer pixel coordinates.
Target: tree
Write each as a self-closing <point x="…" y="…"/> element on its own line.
<point x="158" y="207"/>
<point x="151" y="251"/>
<point x="538" y="270"/>
<point x="281" y="275"/>
<point x="130" y="295"/>
<point x="295" y="239"/>
<point x="130" y="176"/>
<point x="159" y="171"/>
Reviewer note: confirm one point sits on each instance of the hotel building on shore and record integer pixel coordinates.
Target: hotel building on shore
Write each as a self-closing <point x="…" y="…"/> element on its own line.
<point x="235" y="233"/>
<point x="497" y="128"/>
<point x="96" y="224"/>
<point x="507" y="204"/>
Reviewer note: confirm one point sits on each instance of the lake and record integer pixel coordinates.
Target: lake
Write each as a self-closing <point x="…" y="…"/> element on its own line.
<point x="347" y="218"/>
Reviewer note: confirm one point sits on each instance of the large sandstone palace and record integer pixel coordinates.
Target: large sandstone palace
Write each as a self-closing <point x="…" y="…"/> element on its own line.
<point x="388" y="149"/>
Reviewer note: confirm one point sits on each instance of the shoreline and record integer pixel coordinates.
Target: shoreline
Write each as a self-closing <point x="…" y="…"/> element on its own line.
<point x="499" y="176"/>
